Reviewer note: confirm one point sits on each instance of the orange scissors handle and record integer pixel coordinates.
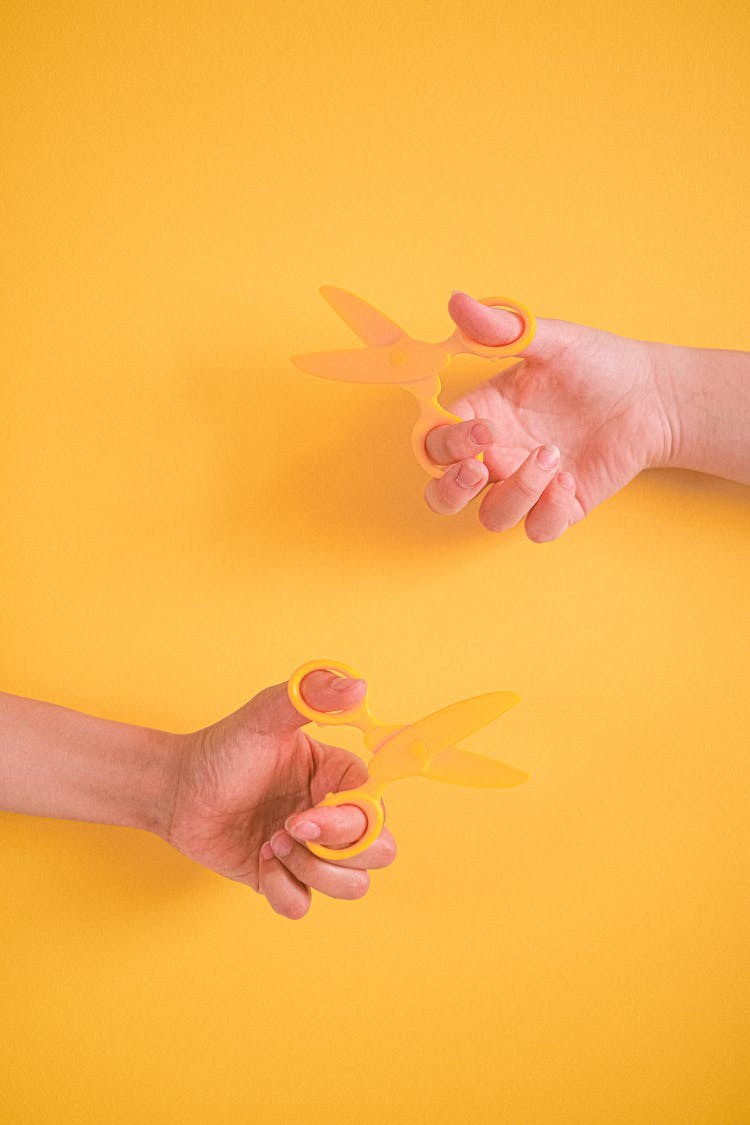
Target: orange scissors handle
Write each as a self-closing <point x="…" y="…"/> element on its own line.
<point x="366" y="796"/>
<point x="494" y="351"/>
<point x="431" y="413"/>
<point x="358" y="716"/>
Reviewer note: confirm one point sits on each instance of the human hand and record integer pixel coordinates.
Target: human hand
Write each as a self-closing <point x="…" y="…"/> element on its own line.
<point x="247" y="792"/>
<point x="577" y="419"/>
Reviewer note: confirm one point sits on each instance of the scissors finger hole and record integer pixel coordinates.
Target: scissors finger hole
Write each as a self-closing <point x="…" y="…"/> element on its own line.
<point x="371" y="806"/>
<point x="334" y="715"/>
<point x="514" y="346"/>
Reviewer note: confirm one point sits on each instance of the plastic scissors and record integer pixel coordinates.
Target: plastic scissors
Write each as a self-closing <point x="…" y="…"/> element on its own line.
<point x="391" y="356"/>
<point x="421" y="749"/>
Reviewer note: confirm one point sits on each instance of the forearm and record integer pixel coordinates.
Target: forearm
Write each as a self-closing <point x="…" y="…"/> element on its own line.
<point x="61" y="763"/>
<point x="707" y="400"/>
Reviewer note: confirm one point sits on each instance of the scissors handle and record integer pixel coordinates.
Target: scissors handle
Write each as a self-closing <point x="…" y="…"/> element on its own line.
<point x="366" y="798"/>
<point x="426" y="391"/>
<point x="358" y="716"/>
<point x="431" y="415"/>
<point x="495" y="351"/>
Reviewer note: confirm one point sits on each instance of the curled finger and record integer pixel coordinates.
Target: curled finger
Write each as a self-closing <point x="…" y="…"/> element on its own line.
<point x="450" y="493"/>
<point x="285" y="893"/>
<point x="555" y="510"/>
<point x="448" y="444"/>
<point x="508" y="501"/>
<point x="332" y="879"/>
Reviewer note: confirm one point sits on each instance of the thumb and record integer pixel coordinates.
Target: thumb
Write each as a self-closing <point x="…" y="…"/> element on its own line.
<point x="493" y="326"/>
<point x="272" y="711"/>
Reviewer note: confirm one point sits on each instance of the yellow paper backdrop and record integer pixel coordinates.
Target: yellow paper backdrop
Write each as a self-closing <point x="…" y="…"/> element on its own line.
<point x="186" y="518"/>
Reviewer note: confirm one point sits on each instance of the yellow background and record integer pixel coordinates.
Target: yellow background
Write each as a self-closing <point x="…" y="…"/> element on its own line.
<point x="186" y="518"/>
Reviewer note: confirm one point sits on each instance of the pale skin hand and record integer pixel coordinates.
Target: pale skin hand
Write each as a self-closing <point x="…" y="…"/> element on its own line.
<point x="247" y="794"/>
<point x="238" y="796"/>
<point x="580" y="417"/>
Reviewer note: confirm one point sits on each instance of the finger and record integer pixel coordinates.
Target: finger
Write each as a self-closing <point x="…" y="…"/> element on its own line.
<point x="493" y="326"/>
<point x="555" y="510"/>
<point x="332" y="879"/>
<point x="334" y="826"/>
<point x="447" y="444"/>
<point x="456" y="488"/>
<point x="273" y="711"/>
<point x="510" y="500"/>
<point x="380" y="853"/>
<point x="286" y="894"/>
<point x="483" y="323"/>
<point x="327" y="691"/>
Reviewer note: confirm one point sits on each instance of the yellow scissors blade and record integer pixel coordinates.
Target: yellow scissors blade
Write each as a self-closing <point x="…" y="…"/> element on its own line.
<point x="351" y="365"/>
<point x="372" y="326"/>
<point x="461" y="767"/>
<point x="411" y="750"/>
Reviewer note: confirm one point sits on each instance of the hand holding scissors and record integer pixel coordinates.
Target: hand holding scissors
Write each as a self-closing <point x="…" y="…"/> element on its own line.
<point x="421" y="749"/>
<point x="391" y="356"/>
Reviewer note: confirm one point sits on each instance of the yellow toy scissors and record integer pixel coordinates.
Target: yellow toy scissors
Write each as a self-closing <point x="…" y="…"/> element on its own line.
<point x="421" y="749"/>
<point x="391" y="356"/>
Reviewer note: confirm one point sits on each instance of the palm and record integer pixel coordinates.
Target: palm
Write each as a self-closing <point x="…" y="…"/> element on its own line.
<point x="592" y="396"/>
<point x="239" y="786"/>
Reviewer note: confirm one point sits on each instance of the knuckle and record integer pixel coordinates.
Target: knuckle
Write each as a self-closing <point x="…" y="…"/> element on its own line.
<point x="359" y="885"/>
<point x="456" y="442"/>
<point x="494" y="521"/>
<point x="387" y="848"/>
<point x="527" y="485"/>
<point x="540" y="534"/>
<point x="434" y="499"/>
<point x="438" y="443"/>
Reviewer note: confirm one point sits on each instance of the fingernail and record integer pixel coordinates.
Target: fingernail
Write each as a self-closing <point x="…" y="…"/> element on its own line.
<point x="281" y="845"/>
<point x="565" y="480"/>
<point x="548" y="456"/>
<point x="458" y="293"/>
<point x="481" y="434"/>
<point x="304" y="830"/>
<point x="266" y="852"/>
<point x="469" y="474"/>
<point x="341" y="683"/>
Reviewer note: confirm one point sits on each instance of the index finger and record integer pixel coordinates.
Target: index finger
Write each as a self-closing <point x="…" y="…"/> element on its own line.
<point x="459" y="442"/>
<point x="341" y="832"/>
<point x="333" y="826"/>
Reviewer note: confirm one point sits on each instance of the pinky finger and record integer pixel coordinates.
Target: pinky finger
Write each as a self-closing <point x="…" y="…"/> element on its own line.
<point x="555" y="510"/>
<point x="285" y="894"/>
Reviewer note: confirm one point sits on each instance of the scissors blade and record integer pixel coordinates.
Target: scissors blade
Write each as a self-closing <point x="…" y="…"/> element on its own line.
<point x="461" y="767"/>
<point x="411" y="750"/>
<point x="372" y="326"/>
<point x="450" y="724"/>
<point x="351" y="365"/>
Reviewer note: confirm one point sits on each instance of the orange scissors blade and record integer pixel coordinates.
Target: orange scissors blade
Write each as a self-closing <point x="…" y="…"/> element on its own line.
<point x="372" y="326"/>
<point x="461" y="767"/>
<point x="351" y="365"/>
<point x="412" y="750"/>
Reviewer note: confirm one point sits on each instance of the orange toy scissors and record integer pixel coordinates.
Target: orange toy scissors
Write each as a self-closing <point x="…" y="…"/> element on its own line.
<point x="391" y="356"/>
<point x="421" y="749"/>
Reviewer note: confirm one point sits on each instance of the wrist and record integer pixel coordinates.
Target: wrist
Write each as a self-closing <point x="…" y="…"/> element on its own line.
<point x="705" y="396"/>
<point x="147" y="797"/>
<point x="680" y="395"/>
